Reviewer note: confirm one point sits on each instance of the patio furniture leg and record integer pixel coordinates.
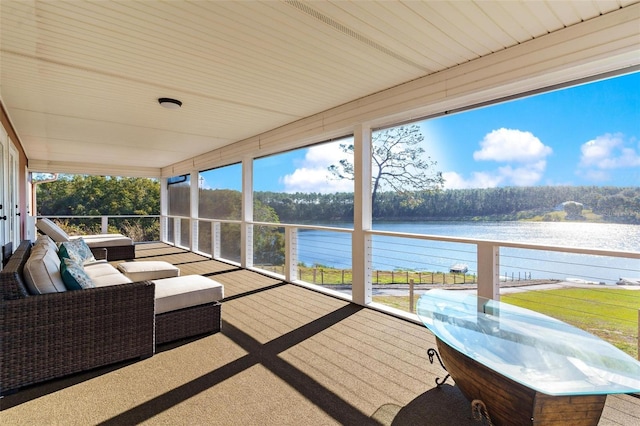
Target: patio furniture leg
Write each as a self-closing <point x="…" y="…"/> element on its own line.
<point x="432" y="352"/>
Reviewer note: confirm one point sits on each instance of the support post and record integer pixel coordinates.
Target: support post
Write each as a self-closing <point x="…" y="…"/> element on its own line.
<point x="361" y="292"/>
<point x="194" y="210"/>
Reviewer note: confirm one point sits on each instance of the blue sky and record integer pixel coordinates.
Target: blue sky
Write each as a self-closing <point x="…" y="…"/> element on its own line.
<point x="585" y="135"/>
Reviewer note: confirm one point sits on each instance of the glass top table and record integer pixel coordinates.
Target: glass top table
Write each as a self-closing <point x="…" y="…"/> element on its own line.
<point x="530" y="348"/>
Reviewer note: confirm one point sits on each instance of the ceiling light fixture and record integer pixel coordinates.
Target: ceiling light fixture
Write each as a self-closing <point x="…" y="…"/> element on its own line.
<point x="170" y="103"/>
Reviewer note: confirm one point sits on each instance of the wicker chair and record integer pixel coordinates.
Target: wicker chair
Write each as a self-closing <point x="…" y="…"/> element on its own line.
<point x="117" y="246"/>
<point x="52" y="335"/>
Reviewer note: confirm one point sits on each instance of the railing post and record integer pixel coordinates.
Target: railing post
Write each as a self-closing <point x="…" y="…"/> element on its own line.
<point x="291" y="254"/>
<point x="194" y="210"/>
<point x="104" y="226"/>
<point x="215" y="240"/>
<point x="411" y="296"/>
<point x="488" y="270"/>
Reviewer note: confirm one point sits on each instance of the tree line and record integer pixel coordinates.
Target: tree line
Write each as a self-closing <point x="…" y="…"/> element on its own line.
<point x="613" y="204"/>
<point x="80" y="195"/>
<point x="77" y="195"/>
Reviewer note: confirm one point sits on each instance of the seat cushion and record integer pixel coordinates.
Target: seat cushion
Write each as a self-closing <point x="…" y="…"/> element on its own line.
<point x="148" y="270"/>
<point x="186" y="291"/>
<point x="104" y="274"/>
<point x="110" y="279"/>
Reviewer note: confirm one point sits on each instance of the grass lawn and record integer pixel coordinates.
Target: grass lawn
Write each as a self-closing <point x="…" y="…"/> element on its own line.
<point x="611" y="314"/>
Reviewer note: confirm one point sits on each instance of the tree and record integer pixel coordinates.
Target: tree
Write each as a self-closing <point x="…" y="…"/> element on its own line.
<point x="81" y="195"/>
<point x="573" y="209"/>
<point x="398" y="163"/>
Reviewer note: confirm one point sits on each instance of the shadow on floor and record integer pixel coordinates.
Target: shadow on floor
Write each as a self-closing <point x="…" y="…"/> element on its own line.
<point x="437" y="406"/>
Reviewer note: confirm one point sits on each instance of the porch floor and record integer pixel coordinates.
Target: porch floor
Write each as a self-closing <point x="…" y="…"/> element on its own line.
<point x="285" y="355"/>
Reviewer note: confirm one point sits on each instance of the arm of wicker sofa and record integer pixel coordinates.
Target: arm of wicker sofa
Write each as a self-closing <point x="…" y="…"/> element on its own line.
<point x="52" y="335"/>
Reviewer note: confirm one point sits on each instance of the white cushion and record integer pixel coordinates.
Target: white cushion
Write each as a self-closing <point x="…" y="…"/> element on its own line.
<point x="51" y="229"/>
<point x="106" y="240"/>
<point x="104" y="274"/>
<point x="42" y="272"/>
<point x="148" y="270"/>
<point x="111" y="279"/>
<point x="45" y="240"/>
<point x="186" y="291"/>
<point x="97" y="269"/>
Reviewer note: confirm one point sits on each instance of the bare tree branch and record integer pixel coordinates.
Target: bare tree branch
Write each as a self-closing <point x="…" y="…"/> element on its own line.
<point x="398" y="162"/>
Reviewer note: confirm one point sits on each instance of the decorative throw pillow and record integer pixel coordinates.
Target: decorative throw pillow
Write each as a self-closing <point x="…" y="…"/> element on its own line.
<point x="76" y="250"/>
<point x="74" y="276"/>
<point x="66" y="251"/>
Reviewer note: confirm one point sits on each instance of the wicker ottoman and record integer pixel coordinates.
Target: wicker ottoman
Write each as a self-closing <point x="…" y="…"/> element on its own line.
<point x="187" y="306"/>
<point x="148" y="270"/>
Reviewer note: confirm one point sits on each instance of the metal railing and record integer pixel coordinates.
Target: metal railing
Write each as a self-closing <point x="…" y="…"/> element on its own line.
<point x="581" y="284"/>
<point x="137" y="227"/>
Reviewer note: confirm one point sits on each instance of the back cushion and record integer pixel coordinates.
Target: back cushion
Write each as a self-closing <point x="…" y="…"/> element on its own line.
<point x="45" y="240"/>
<point x="42" y="272"/>
<point x="51" y="229"/>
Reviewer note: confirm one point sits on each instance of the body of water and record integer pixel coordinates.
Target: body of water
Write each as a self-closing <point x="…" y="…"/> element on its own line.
<point x="392" y="253"/>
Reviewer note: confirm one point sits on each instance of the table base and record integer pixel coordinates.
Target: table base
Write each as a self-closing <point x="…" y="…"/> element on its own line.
<point x="503" y="401"/>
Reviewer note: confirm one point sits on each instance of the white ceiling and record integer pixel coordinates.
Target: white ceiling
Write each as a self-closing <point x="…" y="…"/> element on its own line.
<point x="80" y="80"/>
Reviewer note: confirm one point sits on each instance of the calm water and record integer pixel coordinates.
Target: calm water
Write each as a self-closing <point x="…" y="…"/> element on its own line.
<point x="334" y="249"/>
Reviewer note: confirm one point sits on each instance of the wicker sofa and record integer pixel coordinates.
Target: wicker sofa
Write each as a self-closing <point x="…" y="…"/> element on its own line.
<point x="51" y="335"/>
<point x="49" y="331"/>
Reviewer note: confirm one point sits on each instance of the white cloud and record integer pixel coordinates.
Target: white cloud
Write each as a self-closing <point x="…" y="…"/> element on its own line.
<point x="523" y="176"/>
<point x="509" y="145"/>
<point x="608" y="152"/>
<point x="524" y="156"/>
<point x="454" y="180"/>
<point x="312" y="175"/>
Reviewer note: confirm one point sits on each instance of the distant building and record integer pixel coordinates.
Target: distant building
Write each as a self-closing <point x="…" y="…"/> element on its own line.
<point x="561" y="207"/>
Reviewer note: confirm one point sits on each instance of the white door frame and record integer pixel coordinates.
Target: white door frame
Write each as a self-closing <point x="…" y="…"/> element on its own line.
<point x="13" y="198"/>
<point x="4" y="187"/>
